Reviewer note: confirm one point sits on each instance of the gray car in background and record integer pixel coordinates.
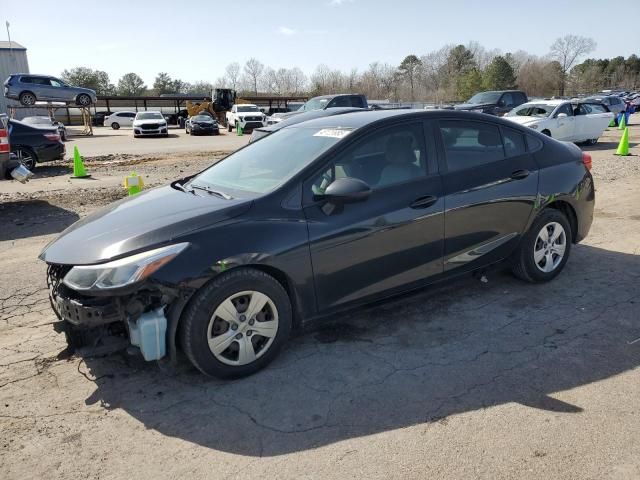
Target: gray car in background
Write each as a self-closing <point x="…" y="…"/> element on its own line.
<point x="28" y="89"/>
<point x="613" y="102"/>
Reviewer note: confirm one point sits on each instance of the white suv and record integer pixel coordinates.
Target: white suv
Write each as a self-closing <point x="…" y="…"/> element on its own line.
<point x="119" y="119"/>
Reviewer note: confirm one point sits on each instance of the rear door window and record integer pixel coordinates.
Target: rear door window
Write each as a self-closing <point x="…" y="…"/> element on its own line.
<point x="470" y="144"/>
<point x="357" y="101"/>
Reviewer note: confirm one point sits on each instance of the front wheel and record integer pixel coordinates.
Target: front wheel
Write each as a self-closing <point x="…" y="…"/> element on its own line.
<point x="115" y="125"/>
<point x="229" y="127"/>
<point x="84" y="100"/>
<point x="236" y="324"/>
<point x="544" y="249"/>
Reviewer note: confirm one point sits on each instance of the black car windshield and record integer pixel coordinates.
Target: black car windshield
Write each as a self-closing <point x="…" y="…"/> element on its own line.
<point x="202" y="118"/>
<point x="262" y="166"/>
<point x="484" y="97"/>
<point x="532" y="110"/>
<point x="248" y="108"/>
<point x="149" y="116"/>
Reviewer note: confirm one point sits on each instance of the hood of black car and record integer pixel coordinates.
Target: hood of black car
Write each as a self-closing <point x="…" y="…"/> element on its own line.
<point x="473" y="106"/>
<point x="152" y="218"/>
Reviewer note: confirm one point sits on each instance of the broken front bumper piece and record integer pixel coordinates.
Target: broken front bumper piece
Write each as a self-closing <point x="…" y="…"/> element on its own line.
<point x="97" y="325"/>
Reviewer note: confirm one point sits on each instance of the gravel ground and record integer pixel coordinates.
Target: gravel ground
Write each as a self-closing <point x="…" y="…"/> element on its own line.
<point x="469" y="380"/>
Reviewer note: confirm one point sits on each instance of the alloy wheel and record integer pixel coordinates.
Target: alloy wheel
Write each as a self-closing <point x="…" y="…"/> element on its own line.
<point x="550" y="247"/>
<point x="242" y="328"/>
<point x="26" y="158"/>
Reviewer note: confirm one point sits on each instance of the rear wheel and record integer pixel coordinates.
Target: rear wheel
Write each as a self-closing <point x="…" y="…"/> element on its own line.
<point x="115" y="125"/>
<point x="27" y="98"/>
<point x="546" y="132"/>
<point x="26" y="157"/>
<point x="544" y="249"/>
<point x="236" y="324"/>
<point x="229" y="127"/>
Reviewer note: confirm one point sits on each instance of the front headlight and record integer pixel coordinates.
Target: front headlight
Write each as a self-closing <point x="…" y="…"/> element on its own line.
<point x="122" y="272"/>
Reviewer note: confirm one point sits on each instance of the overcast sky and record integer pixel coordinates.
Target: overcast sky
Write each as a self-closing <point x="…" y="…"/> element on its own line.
<point x="195" y="39"/>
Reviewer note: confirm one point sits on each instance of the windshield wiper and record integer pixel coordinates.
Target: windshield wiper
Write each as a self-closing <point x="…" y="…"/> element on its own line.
<point x="211" y="191"/>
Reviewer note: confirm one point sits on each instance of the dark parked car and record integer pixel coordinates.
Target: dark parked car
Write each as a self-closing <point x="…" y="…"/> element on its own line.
<point x="32" y="145"/>
<point x="98" y="118"/>
<point x="494" y="102"/>
<point x="44" y="121"/>
<point x="202" y="125"/>
<point x="318" y="217"/>
<point x="258" y="133"/>
<point x="326" y="101"/>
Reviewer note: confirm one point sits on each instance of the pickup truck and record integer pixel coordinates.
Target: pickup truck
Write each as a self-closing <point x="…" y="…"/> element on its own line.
<point x="495" y="102"/>
<point x="10" y="166"/>
<point x="247" y="116"/>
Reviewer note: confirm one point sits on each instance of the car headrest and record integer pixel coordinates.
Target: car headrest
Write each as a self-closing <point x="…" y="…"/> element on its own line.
<point x="399" y="150"/>
<point x="489" y="138"/>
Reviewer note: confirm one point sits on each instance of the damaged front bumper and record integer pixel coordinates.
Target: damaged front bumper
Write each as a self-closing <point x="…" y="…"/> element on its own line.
<point x="95" y="325"/>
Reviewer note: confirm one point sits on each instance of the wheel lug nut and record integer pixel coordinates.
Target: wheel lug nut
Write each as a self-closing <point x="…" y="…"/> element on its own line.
<point x="234" y="327"/>
<point x="249" y="333"/>
<point x="242" y="318"/>
<point x="252" y="321"/>
<point x="239" y="336"/>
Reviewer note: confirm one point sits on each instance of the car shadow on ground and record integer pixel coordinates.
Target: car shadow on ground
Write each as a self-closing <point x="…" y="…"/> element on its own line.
<point x="605" y="146"/>
<point x="31" y="218"/>
<point x="412" y="361"/>
<point x="44" y="170"/>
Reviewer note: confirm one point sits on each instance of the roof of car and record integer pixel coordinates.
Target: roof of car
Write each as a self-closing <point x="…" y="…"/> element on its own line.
<point x="555" y="101"/>
<point x="334" y="95"/>
<point x="359" y="119"/>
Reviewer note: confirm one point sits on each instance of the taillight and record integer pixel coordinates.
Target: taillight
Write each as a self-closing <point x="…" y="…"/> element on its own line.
<point x="4" y="141"/>
<point x="54" y="137"/>
<point x="586" y="159"/>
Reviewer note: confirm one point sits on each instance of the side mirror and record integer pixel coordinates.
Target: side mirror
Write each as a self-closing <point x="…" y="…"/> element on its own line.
<point x="346" y="190"/>
<point x="562" y="115"/>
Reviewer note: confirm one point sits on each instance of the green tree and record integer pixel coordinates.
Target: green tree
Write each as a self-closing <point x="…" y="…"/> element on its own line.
<point x="97" y="80"/>
<point x="469" y="83"/>
<point x="131" y="85"/>
<point x="164" y="84"/>
<point x="460" y="61"/>
<point x="499" y="75"/>
<point x="409" y="69"/>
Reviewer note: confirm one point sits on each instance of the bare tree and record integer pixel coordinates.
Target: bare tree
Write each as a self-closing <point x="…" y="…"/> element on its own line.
<point x="567" y="50"/>
<point x="253" y="72"/>
<point x="298" y="81"/>
<point x="232" y="75"/>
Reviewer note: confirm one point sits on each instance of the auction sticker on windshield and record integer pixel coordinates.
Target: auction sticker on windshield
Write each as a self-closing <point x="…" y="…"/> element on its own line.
<point x="332" y="132"/>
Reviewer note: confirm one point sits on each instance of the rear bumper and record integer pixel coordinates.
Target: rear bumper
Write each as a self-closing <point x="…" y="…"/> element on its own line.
<point x="55" y="151"/>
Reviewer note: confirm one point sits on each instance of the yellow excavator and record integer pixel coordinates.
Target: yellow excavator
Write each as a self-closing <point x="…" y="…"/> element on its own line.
<point x="222" y="101"/>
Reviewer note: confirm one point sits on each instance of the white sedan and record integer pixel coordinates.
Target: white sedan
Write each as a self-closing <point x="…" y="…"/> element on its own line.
<point x="150" y="122"/>
<point x="563" y="120"/>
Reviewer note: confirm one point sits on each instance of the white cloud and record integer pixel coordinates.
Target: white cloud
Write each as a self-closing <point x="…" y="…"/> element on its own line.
<point x="286" y="31"/>
<point x="337" y="3"/>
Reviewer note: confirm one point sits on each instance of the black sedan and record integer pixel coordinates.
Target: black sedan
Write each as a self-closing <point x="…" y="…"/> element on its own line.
<point x="316" y="218"/>
<point x="202" y="125"/>
<point x="32" y="145"/>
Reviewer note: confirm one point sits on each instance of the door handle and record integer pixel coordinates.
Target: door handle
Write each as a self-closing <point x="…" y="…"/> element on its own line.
<point x="520" y="174"/>
<point x="424" y="202"/>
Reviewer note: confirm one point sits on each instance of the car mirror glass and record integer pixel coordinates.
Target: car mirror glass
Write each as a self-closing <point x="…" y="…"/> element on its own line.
<point x="342" y="191"/>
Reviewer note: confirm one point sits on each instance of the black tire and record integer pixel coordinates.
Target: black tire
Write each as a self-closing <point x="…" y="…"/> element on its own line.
<point x="524" y="265"/>
<point x="195" y="320"/>
<point x="27" y="99"/>
<point x="83" y="99"/>
<point x="546" y="132"/>
<point x="115" y="125"/>
<point x="229" y="127"/>
<point x="26" y="156"/>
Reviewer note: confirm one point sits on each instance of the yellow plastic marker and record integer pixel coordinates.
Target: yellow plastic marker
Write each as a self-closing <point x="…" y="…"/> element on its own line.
<point x="133" y="183"/>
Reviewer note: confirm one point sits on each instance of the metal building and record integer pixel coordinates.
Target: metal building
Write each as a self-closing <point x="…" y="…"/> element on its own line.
<point x="13" y="59"/>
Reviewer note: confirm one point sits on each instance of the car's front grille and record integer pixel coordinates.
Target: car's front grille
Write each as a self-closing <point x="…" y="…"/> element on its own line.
<point x="150" y="126"/>
<point x="252" y="119"/>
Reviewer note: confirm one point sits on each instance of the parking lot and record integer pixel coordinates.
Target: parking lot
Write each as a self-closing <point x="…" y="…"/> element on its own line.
<point x="466" y="380"/>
